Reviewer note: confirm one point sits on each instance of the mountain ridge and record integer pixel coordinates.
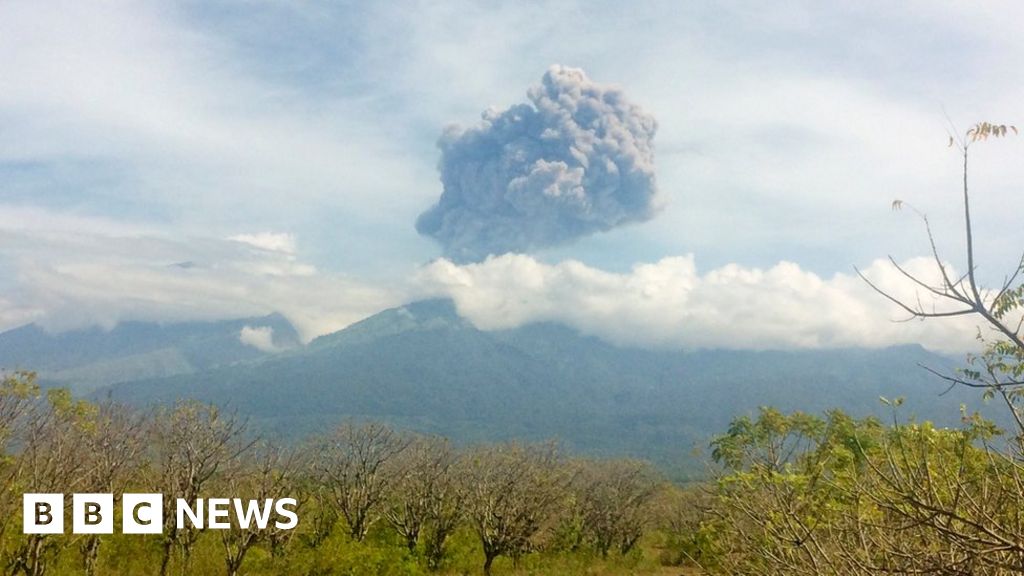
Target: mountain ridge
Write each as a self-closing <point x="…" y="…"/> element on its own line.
<point x="422" y="367"/>
<point x="87" y="358"/>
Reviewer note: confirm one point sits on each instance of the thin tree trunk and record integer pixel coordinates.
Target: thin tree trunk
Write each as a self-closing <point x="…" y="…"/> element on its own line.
<point x="90" y="555"/>
<point x="165" y="560"/>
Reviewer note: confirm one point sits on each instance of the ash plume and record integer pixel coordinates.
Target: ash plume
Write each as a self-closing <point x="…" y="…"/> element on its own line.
<point x="577" y="159"/>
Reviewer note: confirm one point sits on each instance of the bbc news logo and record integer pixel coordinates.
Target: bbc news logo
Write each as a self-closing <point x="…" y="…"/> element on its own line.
<point x="144" y="513"/>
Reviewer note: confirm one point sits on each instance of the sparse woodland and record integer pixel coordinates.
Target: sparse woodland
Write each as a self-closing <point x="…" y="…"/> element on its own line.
<point x="372" y="500"/>
<point x="790" y="494"/>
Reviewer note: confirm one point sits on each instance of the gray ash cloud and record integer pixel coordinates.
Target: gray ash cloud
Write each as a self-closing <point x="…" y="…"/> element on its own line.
<point x="577" y="159"/>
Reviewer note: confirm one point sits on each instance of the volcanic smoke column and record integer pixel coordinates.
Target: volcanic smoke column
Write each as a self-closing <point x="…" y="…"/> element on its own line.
<point x="577" y="159"/>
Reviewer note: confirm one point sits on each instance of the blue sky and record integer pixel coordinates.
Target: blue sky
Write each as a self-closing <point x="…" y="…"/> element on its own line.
<point x="285" y="150"/>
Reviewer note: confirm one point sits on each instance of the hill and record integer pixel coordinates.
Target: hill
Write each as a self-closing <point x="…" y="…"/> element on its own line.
<point x="423" y="367"/>
<point x="86" y="359"/>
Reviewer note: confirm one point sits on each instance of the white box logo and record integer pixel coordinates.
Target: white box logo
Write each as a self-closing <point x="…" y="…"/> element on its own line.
<point x="143" y="513"/>
<point x="43" y="514"/>
<point x="92" y="514"/>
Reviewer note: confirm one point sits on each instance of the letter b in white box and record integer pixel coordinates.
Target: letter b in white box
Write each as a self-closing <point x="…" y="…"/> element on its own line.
<point x="142" y="513"/>
<point x="42" y="513"/>
<point x="92" y="513"/>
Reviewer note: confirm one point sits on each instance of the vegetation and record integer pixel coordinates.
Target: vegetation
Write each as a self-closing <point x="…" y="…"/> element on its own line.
<point x="796" y="494"/>
<point x="371" y="500"/>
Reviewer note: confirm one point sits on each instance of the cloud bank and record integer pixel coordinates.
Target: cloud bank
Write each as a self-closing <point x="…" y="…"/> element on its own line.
<point x="85" y="275"/>
<point x="670" y="304"/>
<point x="577" y="159"/>
<point x="259" y="337"/>
<point x="91" y="274"/>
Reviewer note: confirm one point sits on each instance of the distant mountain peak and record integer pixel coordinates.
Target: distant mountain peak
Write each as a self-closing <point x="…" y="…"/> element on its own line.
<point x="432" y="308"/>
<point x="432" y="314"/>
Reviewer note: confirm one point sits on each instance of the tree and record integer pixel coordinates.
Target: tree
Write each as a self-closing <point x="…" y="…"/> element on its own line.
<point x="18" y="392"/>
<point x="854" y="497"/>
<point x="351" y="463"/>
<point x="53" y="459"/>
<point x="999" y="370"/>
<point x="510" y="493"/>
<point x="193" y="443"/>
<point x="113" y="443"/>
<point x="425" y="502"/>
<point x="267" y="475"/>
<point x="613" y="497"/>
<point x="323" y="517"/>
<point x="973" y="502"/>
<point x="955" y="491"/>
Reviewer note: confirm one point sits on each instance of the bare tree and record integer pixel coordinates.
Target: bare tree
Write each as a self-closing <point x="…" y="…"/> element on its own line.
<point x="351" y="463"/>
<point x="194" y="443"/>
<point x="424" y="500"/>
<point x="113" y="445"/>
<point x="613" y="496"/>
<point x="1002" y="365"/>
<point x="510" y="494"/>
<point x="268" y="476"/>
<point x="18" y="391"/>
<point x="53" y="460"/>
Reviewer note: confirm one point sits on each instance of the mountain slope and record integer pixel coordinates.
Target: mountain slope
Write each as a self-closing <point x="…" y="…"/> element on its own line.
<point x="423" y="367"/>
<point x="86" y="359"/>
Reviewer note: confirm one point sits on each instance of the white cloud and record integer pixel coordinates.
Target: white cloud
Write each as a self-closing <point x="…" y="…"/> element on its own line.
<point x="260" y="338"/>
<point x="669" y="303"/>
<point x="282" y="248"/>
<point x="271" y="241"/>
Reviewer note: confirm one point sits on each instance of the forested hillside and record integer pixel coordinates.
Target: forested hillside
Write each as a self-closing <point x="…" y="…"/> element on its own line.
<point x="422" y="367"/>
